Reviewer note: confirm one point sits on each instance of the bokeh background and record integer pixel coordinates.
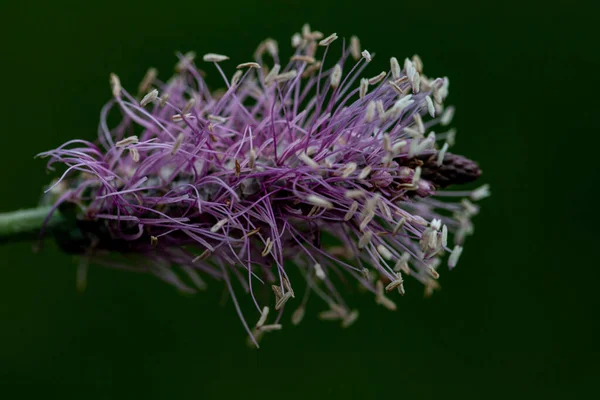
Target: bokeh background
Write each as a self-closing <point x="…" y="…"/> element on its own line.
<point x="517" y="317"/>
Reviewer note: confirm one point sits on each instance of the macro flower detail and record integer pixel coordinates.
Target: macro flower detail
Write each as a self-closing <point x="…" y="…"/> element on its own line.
<point x="302" y="178"/>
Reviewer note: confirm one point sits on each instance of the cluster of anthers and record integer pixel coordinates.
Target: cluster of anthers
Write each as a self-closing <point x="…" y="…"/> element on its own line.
<point x="338" y="175"/>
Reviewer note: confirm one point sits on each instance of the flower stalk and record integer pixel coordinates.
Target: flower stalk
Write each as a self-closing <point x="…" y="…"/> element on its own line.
<point x="27" y="224"/>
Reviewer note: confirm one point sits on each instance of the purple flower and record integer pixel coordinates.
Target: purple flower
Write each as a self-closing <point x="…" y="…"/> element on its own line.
<point x="297" y="169"/>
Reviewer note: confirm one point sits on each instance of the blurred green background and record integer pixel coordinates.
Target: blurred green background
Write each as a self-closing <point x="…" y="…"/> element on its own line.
<point x="517" y="317"/>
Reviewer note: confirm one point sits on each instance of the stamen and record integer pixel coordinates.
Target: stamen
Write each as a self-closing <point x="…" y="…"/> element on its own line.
<point x="115" y="85"/>
<point x="319" y="201"/>
<point x="148" y="79"/>
<point x="377" y="78"/>
<point x="212" y="57"/>
<point x="481" y="192"/>
<point x="216" y="227"/>
<point x="148" y="98"/>
<point x="366" y="55"/>
<point x="355" y="48"/>
<point x="248" y="65"/>
<point x="365" y="239"/>
<point x="319" y="271"/>
<point x="454" y="256"/>
<point x="336" y="76"/>
<point x="127" y="141"/>
<point x="395" y="67"/>
<point x="430" y="107"/>
<point x="385" y="253"/>
<point x="364" y="86"/>
<point x="328" y="40"/>
<point x="268" y="247"/>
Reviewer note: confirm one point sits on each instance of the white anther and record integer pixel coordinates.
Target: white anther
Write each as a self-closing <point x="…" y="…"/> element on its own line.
<point x="319" y="201"/>
<point x="365" y="239"/>
<point x="212" y="57"/>
<point x="395" y="67"/>
<point x="216" y="227"/>
<point x="453" y="259"/>
<point x="127" y="141"/>
<point x="328" y="40"/>
<point x="481" y="192"/>
<point x="319" y="271"/>
<point x="336" y="76"/>
<point x="148" y="98"/>
<point x="351" y="211"/>
<point x="248" y="65"/>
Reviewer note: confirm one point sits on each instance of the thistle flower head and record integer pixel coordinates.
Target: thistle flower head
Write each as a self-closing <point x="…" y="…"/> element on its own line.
<point x="301" y="176"/>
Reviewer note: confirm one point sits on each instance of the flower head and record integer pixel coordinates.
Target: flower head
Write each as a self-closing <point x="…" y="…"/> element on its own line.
<point x="301" y="173"/>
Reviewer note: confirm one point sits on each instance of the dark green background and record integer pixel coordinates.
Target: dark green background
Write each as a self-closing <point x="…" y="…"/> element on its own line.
<point x="517" y="318"/>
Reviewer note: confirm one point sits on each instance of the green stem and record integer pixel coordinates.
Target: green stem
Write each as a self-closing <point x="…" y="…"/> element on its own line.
<point x="27" y="224"/>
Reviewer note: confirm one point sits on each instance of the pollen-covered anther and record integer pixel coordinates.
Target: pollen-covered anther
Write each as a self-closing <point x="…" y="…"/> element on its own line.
<point x="454" y="256"/>
<point x="365" y="172"/>
<point x="396" y="283"/>
<point x="181" y="117"/>
<point x="149" y="98"/>
<point x="303" y="58"/>
<point x="447" y="116"/>
<point x="147" y="81"/>
<point x="263" y="317"/>
<point x="213" y="57"/>
<point x="296" y="40"/>
<point x="115" y="85"/>
<point x="370" y="112"/>
<point x="434" y="274"/>
<point x="178" y="143"/>
<point x="319" y="201"/>
<point x="336" y="76"/>
<point x="351" y="211"/>
<point x="319" y="271"/>
<point x="381" y="299"/>
<point x="271" y="328"/>
<point x="135" y="154"/>
<point x="399" y="225"/>
<point x="270" y="78"/>
<point x="385" y="252"/>
<point x="153" y="241"/>
<point x="328" y="40"/>
<point x="348" y="169"/>
<point x="127" y="141"/>
<point x="442" y="154"/>
<point x="377" y="78"/>
<point x="308" y="161"/>
<point x="217" y="227"/>
<point x="365" y="239"/>
<point x="355" y="47"/>
<point x="395" y="67"/>
<point x="402" y="264"/>
<point x="480" y="193"/>
<point x="268" y="247"/>
<point x="335" y="312"/>
<point x="280" y="297"/>
<point x="366" y="55"/>
<point x="354" y="194"/>
<point x="235" y="79"/>
<point x="350" y="318"/>
<point x="367" y="218"/>
<point x="286" y="76"/>
<point x="252" y="159"/>
<point x="298" y="315"/>
<point x="188" y="106"/>
<point x="248" y="65"/>
<point x="364" y="86"/>
<point x="216" y="119"/>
